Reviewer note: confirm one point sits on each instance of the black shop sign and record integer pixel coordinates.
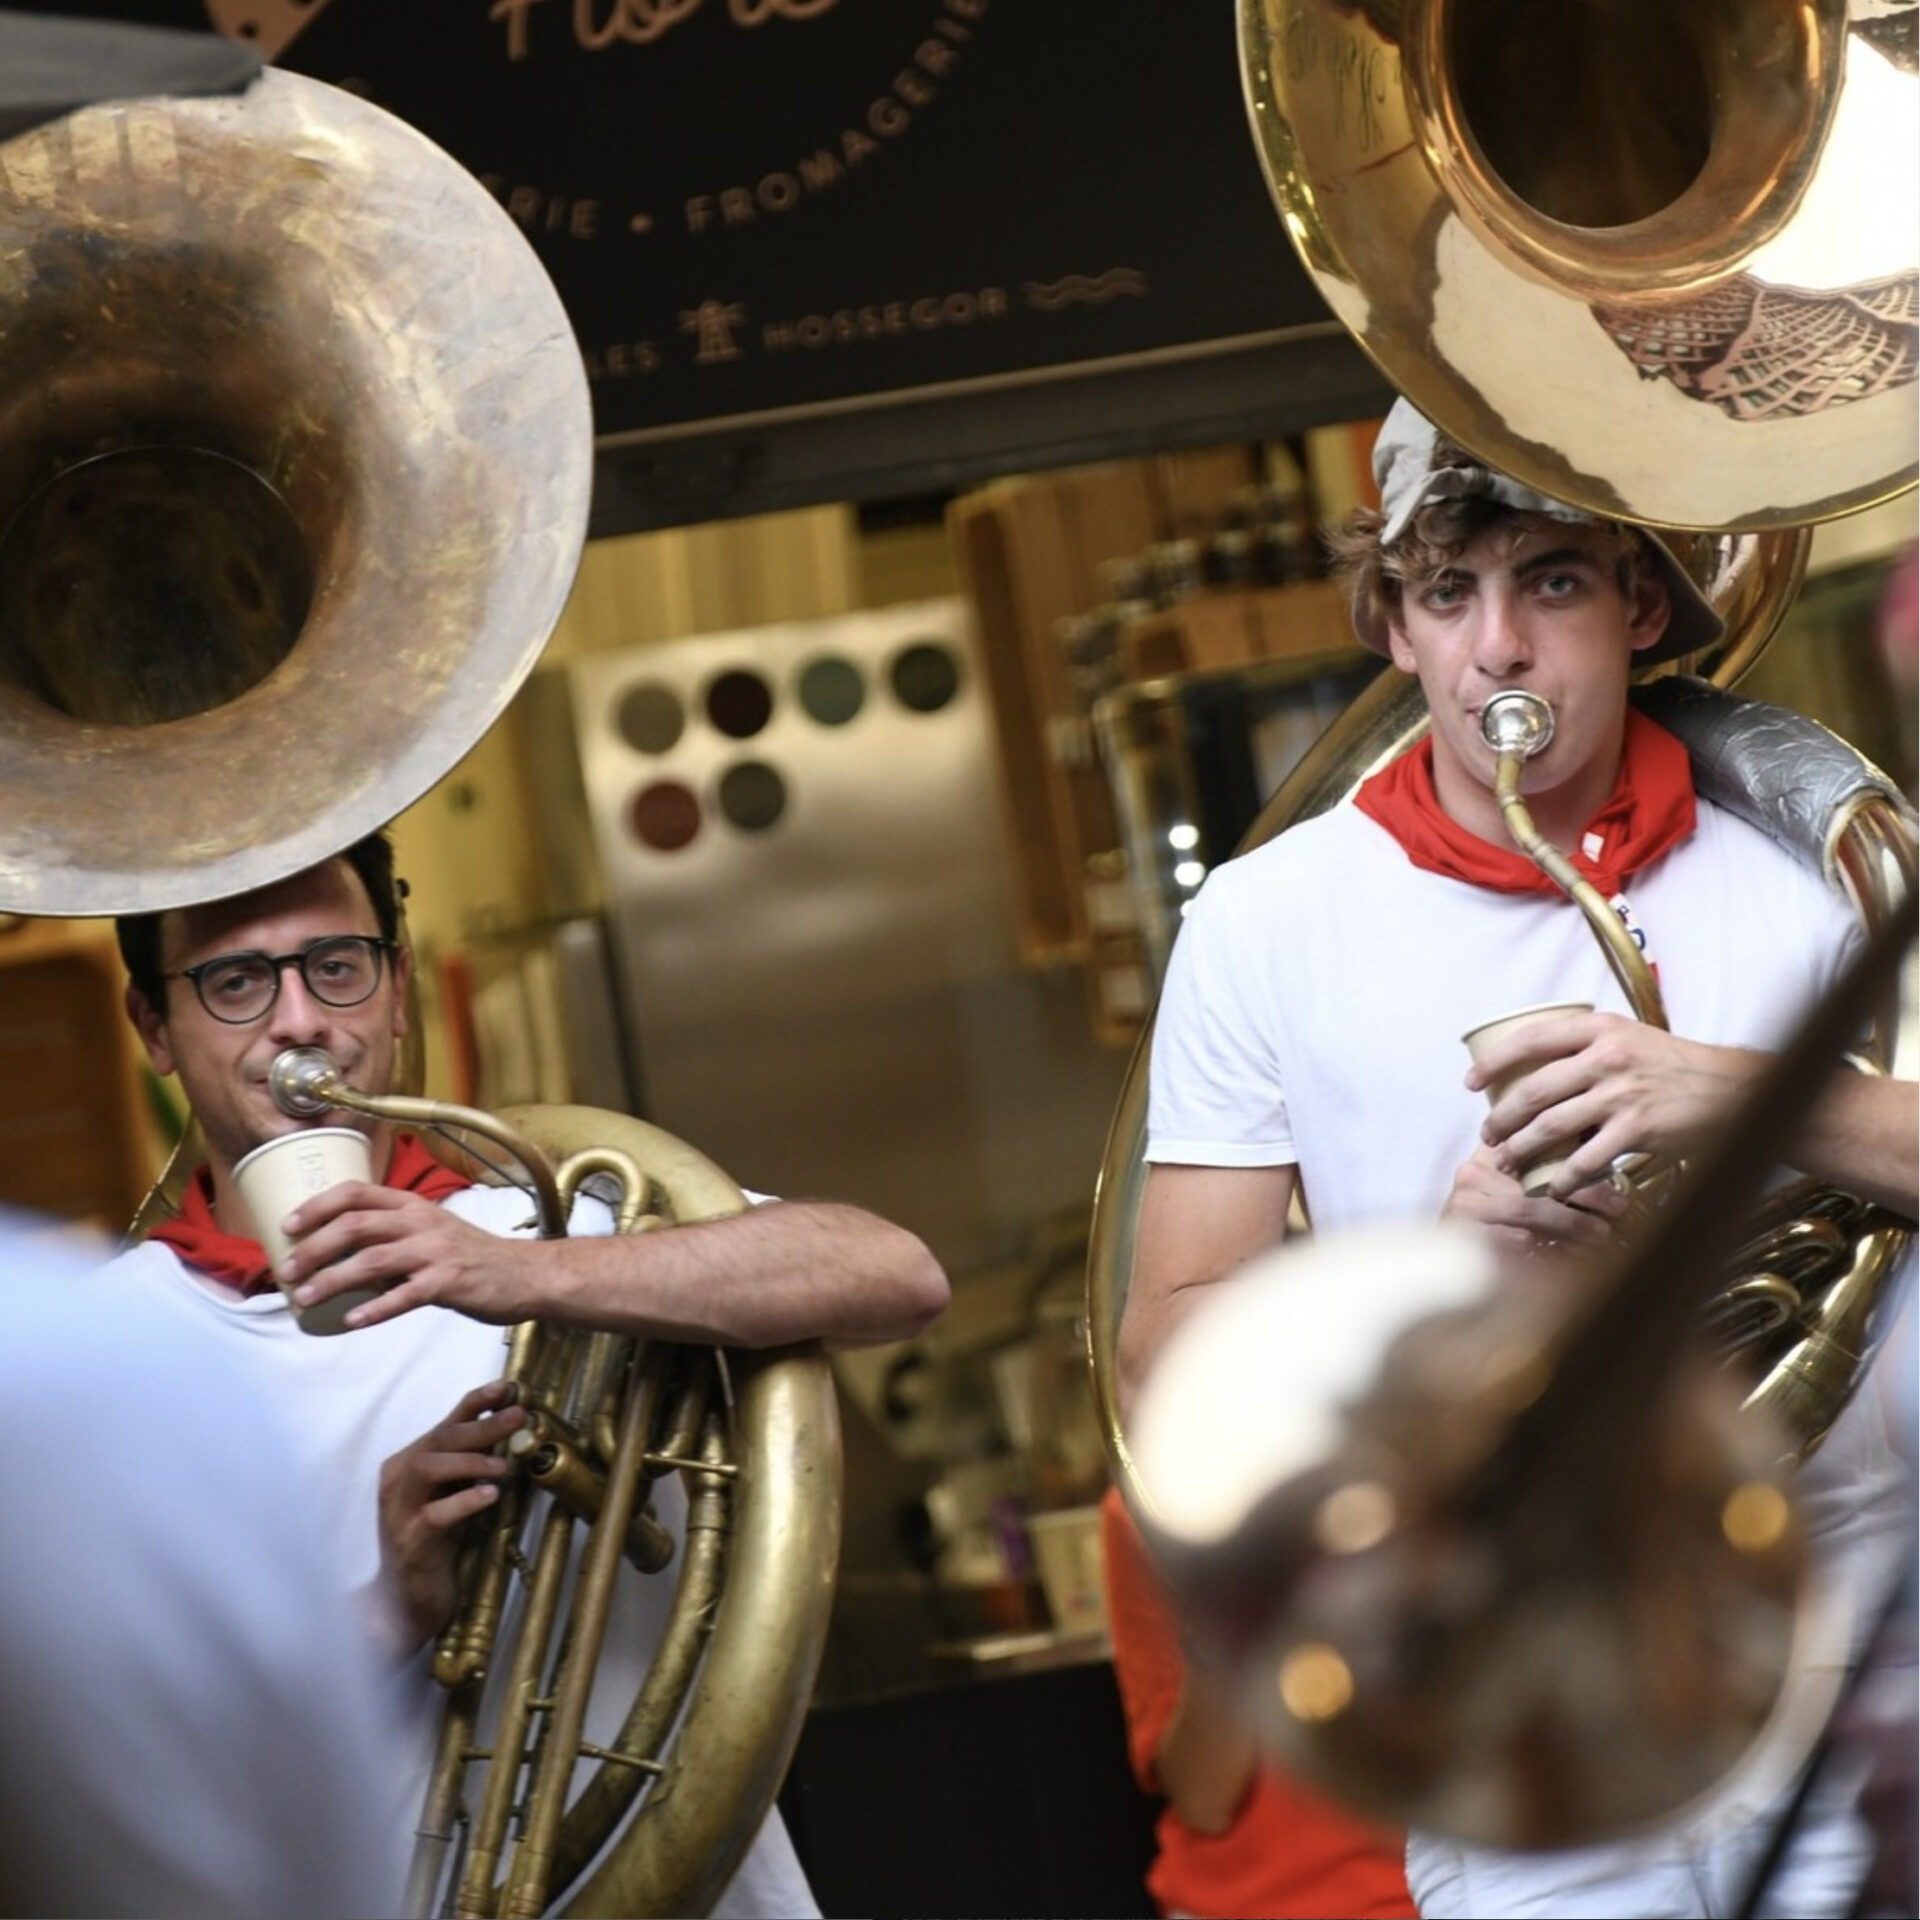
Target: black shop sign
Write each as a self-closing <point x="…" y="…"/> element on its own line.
<point x="847" y="248"/>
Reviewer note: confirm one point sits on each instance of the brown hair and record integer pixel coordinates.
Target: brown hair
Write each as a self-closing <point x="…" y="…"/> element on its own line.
<point x="370" y="858"/>
<point x="1376" y="575"/>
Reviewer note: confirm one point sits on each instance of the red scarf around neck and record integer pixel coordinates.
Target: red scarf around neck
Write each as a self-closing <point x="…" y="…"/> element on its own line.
<point x="1651" y="811"/>
<point x="237" y="1262"/>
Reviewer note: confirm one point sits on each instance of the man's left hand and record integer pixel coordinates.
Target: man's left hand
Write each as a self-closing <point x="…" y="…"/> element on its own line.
<point x="1596" y="1087"/>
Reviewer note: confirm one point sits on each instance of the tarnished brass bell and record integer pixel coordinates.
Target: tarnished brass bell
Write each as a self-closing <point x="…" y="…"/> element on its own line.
<point x="295" y="453"/>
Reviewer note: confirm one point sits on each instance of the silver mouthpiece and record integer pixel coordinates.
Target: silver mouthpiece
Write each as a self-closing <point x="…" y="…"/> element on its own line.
<point x="301" y="1080"/>
<point x="1516" y="722"/>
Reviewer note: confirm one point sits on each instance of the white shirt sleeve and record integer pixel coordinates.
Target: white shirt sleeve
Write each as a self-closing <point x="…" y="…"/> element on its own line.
<point x="1214" y="1096"/>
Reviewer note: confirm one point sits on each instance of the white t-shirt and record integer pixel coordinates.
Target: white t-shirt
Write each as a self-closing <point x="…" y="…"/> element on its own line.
<point x="1312" y="1016"/>
<point x="353" y="1399"/>
<point x="1320" y="984"/>
<point x="166" y="1608"/>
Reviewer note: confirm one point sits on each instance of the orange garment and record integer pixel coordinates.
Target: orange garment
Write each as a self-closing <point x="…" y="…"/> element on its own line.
<point x="1650" y="811"/>
<point x="1290" y="1854"/>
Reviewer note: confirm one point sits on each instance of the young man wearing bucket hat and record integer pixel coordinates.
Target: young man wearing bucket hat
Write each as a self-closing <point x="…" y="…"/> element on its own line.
<point x="1307" y="1046"/>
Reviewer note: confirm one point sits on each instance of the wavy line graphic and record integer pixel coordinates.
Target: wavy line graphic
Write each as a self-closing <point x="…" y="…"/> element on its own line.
<point x="1086" y="289"/>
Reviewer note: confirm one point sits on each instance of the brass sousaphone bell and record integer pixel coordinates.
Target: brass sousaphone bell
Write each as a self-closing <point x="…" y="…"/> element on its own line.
<point x="295" y="456"/>
<point x="1657" y="262"/>
<point x="295" y="460"/>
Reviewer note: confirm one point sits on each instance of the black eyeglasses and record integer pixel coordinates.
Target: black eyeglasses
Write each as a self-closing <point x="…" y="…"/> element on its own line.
<point x="338" y="972"/>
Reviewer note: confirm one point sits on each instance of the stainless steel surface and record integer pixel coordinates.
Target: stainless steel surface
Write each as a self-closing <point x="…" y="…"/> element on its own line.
<point x="1192" y="757"/>
<point x="998" y="1654"/>
<point x="592" y="1025"/>
<point x="833" y="1002"/>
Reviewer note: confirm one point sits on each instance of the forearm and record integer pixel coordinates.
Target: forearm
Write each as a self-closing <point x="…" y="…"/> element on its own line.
<point x="787" y="1271"/>
<point x="1207" y="1758"/>
<point x="1156" y="1304"/>
<point x="1197" y="1224"/>
<point x="1863" y="1134"/>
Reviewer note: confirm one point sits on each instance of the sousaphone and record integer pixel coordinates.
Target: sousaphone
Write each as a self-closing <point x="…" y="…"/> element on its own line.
<point x="1657" y="262"/>
<point x="295" y="459"/>
<point x="295" y="455"/>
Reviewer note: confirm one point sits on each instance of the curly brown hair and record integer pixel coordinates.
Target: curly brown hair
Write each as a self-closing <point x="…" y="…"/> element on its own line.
<point x="1376" y="574"/>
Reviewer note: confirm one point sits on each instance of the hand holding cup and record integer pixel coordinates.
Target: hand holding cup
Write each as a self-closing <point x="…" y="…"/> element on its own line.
<point x="276" y="1178"/>
<point x="1538" y="1175"/>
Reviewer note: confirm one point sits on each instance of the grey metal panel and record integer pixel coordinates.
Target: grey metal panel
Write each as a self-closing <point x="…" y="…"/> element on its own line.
<point x="596" y="1045"/>
<point x="834" y="1005"/>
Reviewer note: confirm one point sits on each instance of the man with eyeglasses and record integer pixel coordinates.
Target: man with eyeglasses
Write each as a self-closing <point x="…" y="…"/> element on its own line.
<point x="404" y="1414"/>
<point x="240" y="987"/>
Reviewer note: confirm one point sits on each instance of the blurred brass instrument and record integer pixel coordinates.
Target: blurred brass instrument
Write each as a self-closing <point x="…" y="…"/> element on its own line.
<point x="1646" y="260"/>
<point x="295" y="461"/>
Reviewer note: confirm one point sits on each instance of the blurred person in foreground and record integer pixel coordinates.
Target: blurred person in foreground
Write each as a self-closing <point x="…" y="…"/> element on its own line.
<point x="1307" y="1042"/>
<point x="402" y="1416"/>
<point x="195" y="1725"/>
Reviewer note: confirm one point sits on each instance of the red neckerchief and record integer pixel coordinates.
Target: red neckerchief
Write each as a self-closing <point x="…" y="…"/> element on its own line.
<point x="1651" y="811"/>
<point x="237" y="1262"/>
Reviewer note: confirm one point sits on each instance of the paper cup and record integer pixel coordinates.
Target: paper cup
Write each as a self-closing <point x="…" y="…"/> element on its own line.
<point x="274" y="1179"/>
<point x="1066" y="1548"/>
<point x="1537" y="1175"/>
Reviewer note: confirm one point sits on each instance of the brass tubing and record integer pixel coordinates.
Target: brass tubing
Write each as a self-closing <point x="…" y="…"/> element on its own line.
<point x="440" y="1813"/>
<point x="649" y="1375"/>
<point x="306" y="1081"/>
<point x="528" y="1886"/>
<point x="556" y="1464"/>
<point x="649" y="1722"/>
<point x="1871" y="852"/>
<point x="689" y="1411"/>
<point x="1820" y="1371"/>
<point x="635" y="1187"/>
<point x="599" y="1413"/>
<point x="464" y="1651"/>
<point x="1623" y="955"/>
<point x="594" y="1398"/>
<point x="744" y="1716"/>
<point x="550" y="1364"/>
<point x="522" y="1699"/>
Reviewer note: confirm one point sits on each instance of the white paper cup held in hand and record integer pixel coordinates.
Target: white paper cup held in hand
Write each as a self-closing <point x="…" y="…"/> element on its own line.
<point x="1538" y="1175"/>
<point x="274" y="1179"/>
